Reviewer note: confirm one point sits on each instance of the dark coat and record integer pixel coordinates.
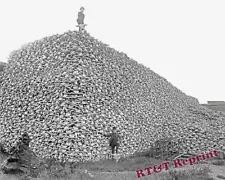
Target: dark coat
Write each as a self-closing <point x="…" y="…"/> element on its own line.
<point x="80" y="19"/>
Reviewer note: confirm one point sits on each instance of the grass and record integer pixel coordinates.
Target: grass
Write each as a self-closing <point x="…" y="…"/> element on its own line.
<point x="53" y="170"/>
<point x="68" y="171"/>
<point x="65" y="173"/>
<point x="197" y="173"/>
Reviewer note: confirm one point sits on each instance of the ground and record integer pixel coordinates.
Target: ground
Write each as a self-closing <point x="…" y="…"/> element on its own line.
<point x="125" y="170"/>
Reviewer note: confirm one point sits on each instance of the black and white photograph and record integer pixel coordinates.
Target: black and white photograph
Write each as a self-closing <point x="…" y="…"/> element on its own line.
<point x="112" y="90"/>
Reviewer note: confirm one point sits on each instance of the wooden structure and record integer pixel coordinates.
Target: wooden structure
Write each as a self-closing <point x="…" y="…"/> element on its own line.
<point x="167" y="148"/>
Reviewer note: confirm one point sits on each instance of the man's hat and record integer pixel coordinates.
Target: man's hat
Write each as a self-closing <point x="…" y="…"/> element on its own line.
<point x="25" y="134"/>
<point x="82" y="8"/>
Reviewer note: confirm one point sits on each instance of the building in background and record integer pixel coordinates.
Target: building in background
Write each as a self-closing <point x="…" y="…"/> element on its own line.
<point x="215" y="105"/>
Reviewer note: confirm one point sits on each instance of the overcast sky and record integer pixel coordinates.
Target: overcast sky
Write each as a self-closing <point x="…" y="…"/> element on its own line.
<point x="181" y="40"/>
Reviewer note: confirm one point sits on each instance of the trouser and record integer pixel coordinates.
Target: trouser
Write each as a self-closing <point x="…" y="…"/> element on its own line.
<point x="81" y="27"/>
<point x="115" y="147"/>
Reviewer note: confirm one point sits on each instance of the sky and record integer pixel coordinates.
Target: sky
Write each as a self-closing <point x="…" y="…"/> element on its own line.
<point x="181" y="40"/>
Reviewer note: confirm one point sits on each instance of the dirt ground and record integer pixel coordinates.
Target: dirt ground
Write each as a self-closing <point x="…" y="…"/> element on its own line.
<point x="125" y="170"/>
<point x="128" y="175"/>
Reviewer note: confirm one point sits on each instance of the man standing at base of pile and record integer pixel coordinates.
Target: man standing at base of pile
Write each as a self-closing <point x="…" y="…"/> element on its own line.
<point x="80" y="19"/>
<point x="24" y="140"/>
<point x="113" y="141"/>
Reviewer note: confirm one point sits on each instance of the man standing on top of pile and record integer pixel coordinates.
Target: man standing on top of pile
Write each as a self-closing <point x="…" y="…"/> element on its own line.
<point x="80" y="19"/>
<point x="114" y="140"/>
